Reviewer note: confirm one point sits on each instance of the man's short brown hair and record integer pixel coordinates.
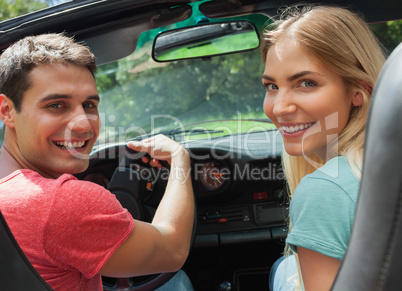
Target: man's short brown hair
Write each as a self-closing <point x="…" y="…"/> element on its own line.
<point x="18" y="60"/>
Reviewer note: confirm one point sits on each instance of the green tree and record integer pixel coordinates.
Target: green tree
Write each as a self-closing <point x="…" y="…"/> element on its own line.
<point x="389" y="33"/>
<point x="13" y="8"/>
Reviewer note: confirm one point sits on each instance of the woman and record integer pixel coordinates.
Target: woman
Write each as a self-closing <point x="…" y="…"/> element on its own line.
<point x="321" y="64"/>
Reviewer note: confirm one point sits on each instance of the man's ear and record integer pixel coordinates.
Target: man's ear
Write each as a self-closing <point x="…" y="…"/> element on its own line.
<point x="7" y="111"/>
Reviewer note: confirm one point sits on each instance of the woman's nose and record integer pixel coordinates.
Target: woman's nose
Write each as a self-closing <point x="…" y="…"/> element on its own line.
<point x="283" y="104"/>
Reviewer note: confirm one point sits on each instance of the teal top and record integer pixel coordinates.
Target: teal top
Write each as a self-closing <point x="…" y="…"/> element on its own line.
<point x="322" y="209"/>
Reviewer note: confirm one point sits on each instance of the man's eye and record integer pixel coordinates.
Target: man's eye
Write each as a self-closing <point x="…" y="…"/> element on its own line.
<point x="88" y="105"/>
<point x="271" y="86"/>
<point x="307" y="83"/>
<point x="55" y="105"/>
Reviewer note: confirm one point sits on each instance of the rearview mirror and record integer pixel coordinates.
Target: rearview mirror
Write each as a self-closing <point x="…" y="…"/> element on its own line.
<point x="205" y="40"/>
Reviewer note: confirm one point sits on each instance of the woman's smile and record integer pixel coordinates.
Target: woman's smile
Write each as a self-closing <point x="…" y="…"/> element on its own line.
<point x="295" y="129"/>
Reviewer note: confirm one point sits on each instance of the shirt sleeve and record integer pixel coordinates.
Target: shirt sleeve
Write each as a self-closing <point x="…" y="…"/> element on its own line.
<point x="321" y="214"/>
<point x="85" y="226"/>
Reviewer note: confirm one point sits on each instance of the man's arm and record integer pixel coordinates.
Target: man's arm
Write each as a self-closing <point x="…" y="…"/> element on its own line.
<point x="163" y="245"/>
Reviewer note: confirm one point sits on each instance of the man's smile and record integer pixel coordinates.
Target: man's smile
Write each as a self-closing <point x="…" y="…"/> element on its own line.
<point x="70" y="144"/>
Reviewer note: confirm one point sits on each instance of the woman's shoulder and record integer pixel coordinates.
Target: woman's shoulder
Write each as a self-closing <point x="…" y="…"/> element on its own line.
<point x="337" y="169"/>
<point x="335" y="176"/>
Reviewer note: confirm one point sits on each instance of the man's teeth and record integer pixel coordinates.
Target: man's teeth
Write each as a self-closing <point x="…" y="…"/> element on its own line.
<point x="296" y="128"/>
<point x="66" y="144"/>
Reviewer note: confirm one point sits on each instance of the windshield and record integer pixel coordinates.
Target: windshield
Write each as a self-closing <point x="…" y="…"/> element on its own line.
<point x="142" y="96"/>
<point x="219" y="96"/>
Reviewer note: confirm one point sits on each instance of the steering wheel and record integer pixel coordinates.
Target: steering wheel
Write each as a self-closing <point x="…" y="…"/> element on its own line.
<point x="129" y="186"/>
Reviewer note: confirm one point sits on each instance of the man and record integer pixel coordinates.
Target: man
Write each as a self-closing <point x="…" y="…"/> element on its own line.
<point x="75" y="231"/>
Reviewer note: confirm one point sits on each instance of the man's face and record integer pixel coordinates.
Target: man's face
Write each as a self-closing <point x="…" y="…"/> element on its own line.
<point x="59" y="121"/>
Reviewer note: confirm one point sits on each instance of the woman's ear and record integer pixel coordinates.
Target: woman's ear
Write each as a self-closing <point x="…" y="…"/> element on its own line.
<point x="358" y="94"/>
<point x="7" y="111"/>
<point x="357" y="99"/>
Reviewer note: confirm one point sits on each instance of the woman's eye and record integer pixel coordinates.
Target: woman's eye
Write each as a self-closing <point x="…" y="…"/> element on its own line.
<point x="307" y="83"/>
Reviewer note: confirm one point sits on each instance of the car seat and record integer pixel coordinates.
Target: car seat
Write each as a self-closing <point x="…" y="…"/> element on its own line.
<point x="373" y="260"/>
<point x="16" y="272"/>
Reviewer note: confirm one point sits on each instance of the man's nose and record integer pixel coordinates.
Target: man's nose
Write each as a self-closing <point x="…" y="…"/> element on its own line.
<point x="82" y="122"/>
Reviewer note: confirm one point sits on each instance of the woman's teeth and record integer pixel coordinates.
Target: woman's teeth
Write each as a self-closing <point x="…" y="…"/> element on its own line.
<point x="66" y="144"/>
<point x="296" y="128"/>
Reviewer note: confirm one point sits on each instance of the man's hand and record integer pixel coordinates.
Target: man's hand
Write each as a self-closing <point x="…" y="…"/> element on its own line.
<point x="159" y="147"/>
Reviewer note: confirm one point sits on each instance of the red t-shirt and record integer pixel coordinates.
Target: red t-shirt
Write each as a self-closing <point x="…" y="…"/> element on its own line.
<point x="67" y="228"/>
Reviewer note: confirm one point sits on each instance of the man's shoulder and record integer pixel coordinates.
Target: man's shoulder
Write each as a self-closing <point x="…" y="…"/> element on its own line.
<point x="68" y="187"/>
<point x="35" y="177"/>
<point x="19" y="176"/>
<point x="65" y="191"/>
<point x="30" y="179"/>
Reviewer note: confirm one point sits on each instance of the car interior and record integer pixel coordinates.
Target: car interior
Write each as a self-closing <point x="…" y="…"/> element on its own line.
<point x="241" y="220"/>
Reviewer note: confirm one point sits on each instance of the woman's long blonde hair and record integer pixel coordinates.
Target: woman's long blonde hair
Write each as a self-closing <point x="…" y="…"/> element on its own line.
<point x="342" y="40"/>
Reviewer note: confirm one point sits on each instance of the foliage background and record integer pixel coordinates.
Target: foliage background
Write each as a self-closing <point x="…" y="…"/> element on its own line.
<point x="215" y="89"/>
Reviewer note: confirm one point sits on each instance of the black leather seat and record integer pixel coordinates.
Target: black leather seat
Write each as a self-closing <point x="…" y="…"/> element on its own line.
<point x="16" y="272"/>
<point x="373" y="260"/>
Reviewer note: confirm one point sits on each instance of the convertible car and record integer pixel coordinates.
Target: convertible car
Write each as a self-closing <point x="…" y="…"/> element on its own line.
<point x="192" y="70"/>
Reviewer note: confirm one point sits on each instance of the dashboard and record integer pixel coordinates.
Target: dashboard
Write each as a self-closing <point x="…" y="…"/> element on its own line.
<point x="238" y="183"/>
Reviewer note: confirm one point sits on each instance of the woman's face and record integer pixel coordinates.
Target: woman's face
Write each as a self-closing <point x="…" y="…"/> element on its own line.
<point x="307" y="102"/>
